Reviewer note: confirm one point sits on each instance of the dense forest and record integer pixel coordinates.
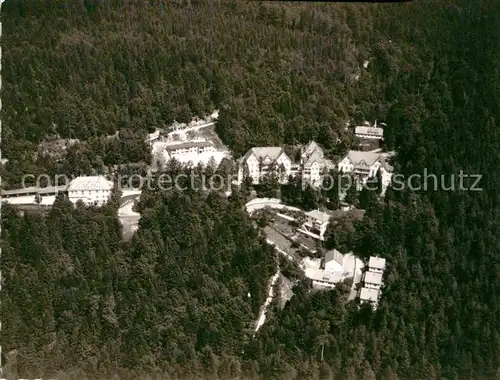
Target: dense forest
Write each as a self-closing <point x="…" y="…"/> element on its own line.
<point x="182" y="293"/>
<point x="174" y="300"/>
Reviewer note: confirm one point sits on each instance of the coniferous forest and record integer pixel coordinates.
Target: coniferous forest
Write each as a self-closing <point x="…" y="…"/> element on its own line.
<point x="179" y="299"/>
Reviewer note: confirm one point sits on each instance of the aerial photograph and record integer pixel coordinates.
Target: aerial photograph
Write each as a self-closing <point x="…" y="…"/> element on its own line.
<point x="246" y="190"/>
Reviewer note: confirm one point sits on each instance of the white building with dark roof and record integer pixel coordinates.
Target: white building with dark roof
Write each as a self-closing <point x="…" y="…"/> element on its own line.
<point x="313" y="163"/>
<point x="261" y="161"/>
<point x="258" y="160"/>
<point x="91" y="190"/>
<point x="365" y="165"/>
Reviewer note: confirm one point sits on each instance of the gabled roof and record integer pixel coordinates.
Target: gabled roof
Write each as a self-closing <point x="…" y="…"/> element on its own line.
<point x="318" y="215"/>
<point x="33" y="189"/>
<point x="184" y="145"/>
<point x="358" y="157"/>
<point x="310" y="148"/>
<point x="90" y="183"/>
<point x="314" y="153"/>
<point x="334" y="255"/>
<point x="315" y="156"/>
<point x="273" y="152"/>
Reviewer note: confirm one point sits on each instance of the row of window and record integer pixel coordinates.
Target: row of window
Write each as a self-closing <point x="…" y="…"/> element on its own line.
<point x="88" y="202"/>
<point x="89" y="192"/>
<point x="255" y="169"/>
<point x="191" y="150"/>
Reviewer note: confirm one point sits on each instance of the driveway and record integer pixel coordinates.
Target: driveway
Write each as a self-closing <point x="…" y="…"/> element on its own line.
<point x="128" y="218"/>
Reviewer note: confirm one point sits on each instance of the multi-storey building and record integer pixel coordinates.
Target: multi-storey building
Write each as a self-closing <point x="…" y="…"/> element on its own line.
<point x="370" y="132"/>
<point x="187" y="149"/>
<point x="261" y="161"/>
<point x="258" y="161"/>
<point x="316" y="223"/>
<point x="91" y="190"/>
<point x="334" y="261"/>
<point x="372" y="281"/>
<point x="370" y="296"/>
<point x="376" y="264"/>
<point x="314" y="163"/>
<point x="365" y="165"/>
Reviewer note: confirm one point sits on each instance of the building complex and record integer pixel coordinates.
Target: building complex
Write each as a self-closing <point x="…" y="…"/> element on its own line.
<point x="91" y="190"/>
<point x="261" y="161"/>
<point x="334" y="268"/>
<point x="372" y="281"/>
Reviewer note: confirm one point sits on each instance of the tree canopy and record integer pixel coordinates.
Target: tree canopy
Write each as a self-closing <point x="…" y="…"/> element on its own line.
<point x="174" y="300"/>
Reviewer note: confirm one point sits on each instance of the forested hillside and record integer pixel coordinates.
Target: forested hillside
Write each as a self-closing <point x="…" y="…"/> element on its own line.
<point x="277" y="73"/>
<point x="174" y="299"/>
<point x="182" y="296"/>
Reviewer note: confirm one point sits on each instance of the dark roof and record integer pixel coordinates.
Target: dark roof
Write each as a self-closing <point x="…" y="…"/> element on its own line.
<point x="334" y="255"/>
<point x="261" y="152"/>
<point x="194" y="144"/>
<point x="33" y="189"/>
